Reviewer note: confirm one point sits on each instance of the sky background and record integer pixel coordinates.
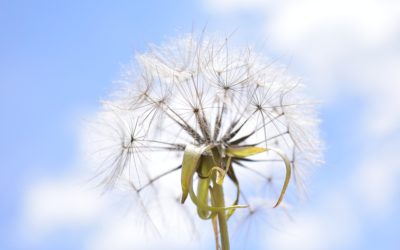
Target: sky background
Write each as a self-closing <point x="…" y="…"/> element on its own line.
<point x="59" y="59"/>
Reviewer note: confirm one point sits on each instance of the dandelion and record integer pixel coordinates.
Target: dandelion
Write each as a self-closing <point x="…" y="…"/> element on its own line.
<point x="224" y="112"/>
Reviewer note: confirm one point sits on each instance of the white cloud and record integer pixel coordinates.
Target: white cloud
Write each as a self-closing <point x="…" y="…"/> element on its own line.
<point x="349" y="48"/>
<point x="336" y="220"/>
<point x="370" y="21"/>
<point x="125" y="233"/>
<point x="375" y="183"/>
<point x="332" y="224"/>
<point x="109" y="222"/>
<point x="52" y="203"/>
<point x="342" y="47"/>
<point x="382" y="84"/>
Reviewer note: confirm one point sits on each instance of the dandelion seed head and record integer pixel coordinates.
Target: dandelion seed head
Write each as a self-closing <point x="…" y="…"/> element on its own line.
<point x="199" y="90"/>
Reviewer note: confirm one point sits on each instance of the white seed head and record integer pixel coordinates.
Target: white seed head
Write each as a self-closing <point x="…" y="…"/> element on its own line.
<point x="198" y="90"/>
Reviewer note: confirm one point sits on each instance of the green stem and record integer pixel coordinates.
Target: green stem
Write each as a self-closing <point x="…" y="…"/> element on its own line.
<point x="218" y="193"/>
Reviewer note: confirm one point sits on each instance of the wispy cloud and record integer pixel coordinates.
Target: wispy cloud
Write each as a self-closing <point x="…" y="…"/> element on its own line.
<point x="108" y="221"/>
<point x="342" y="48"/>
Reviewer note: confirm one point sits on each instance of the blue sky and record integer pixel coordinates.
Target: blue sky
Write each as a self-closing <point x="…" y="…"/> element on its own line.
<point x="58" y="60"/>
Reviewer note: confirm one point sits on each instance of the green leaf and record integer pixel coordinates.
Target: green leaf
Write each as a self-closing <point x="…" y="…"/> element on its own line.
<point x="242" y="152"/>
<point x="202" y="196"/>
<point x="287" y="177"/>
<point x="190" y="163"/>
<point x="203" y="185"/>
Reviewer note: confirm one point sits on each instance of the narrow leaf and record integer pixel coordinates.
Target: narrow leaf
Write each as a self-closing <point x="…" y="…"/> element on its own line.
<point x="202" y="195"/>
<point x="190" y="163"/>
<point x="242" y="152"/>
<point x="287" y="177"/>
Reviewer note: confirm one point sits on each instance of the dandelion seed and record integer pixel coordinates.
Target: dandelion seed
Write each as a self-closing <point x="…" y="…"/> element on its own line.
<point x="226" y="113"/>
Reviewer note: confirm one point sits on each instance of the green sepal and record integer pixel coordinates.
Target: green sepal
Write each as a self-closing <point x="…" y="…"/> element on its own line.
<point x="242" y="152"/>
<point x="190" y="163"/>
<point x="202" y="195"/>
<point x="287" y="177"/>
